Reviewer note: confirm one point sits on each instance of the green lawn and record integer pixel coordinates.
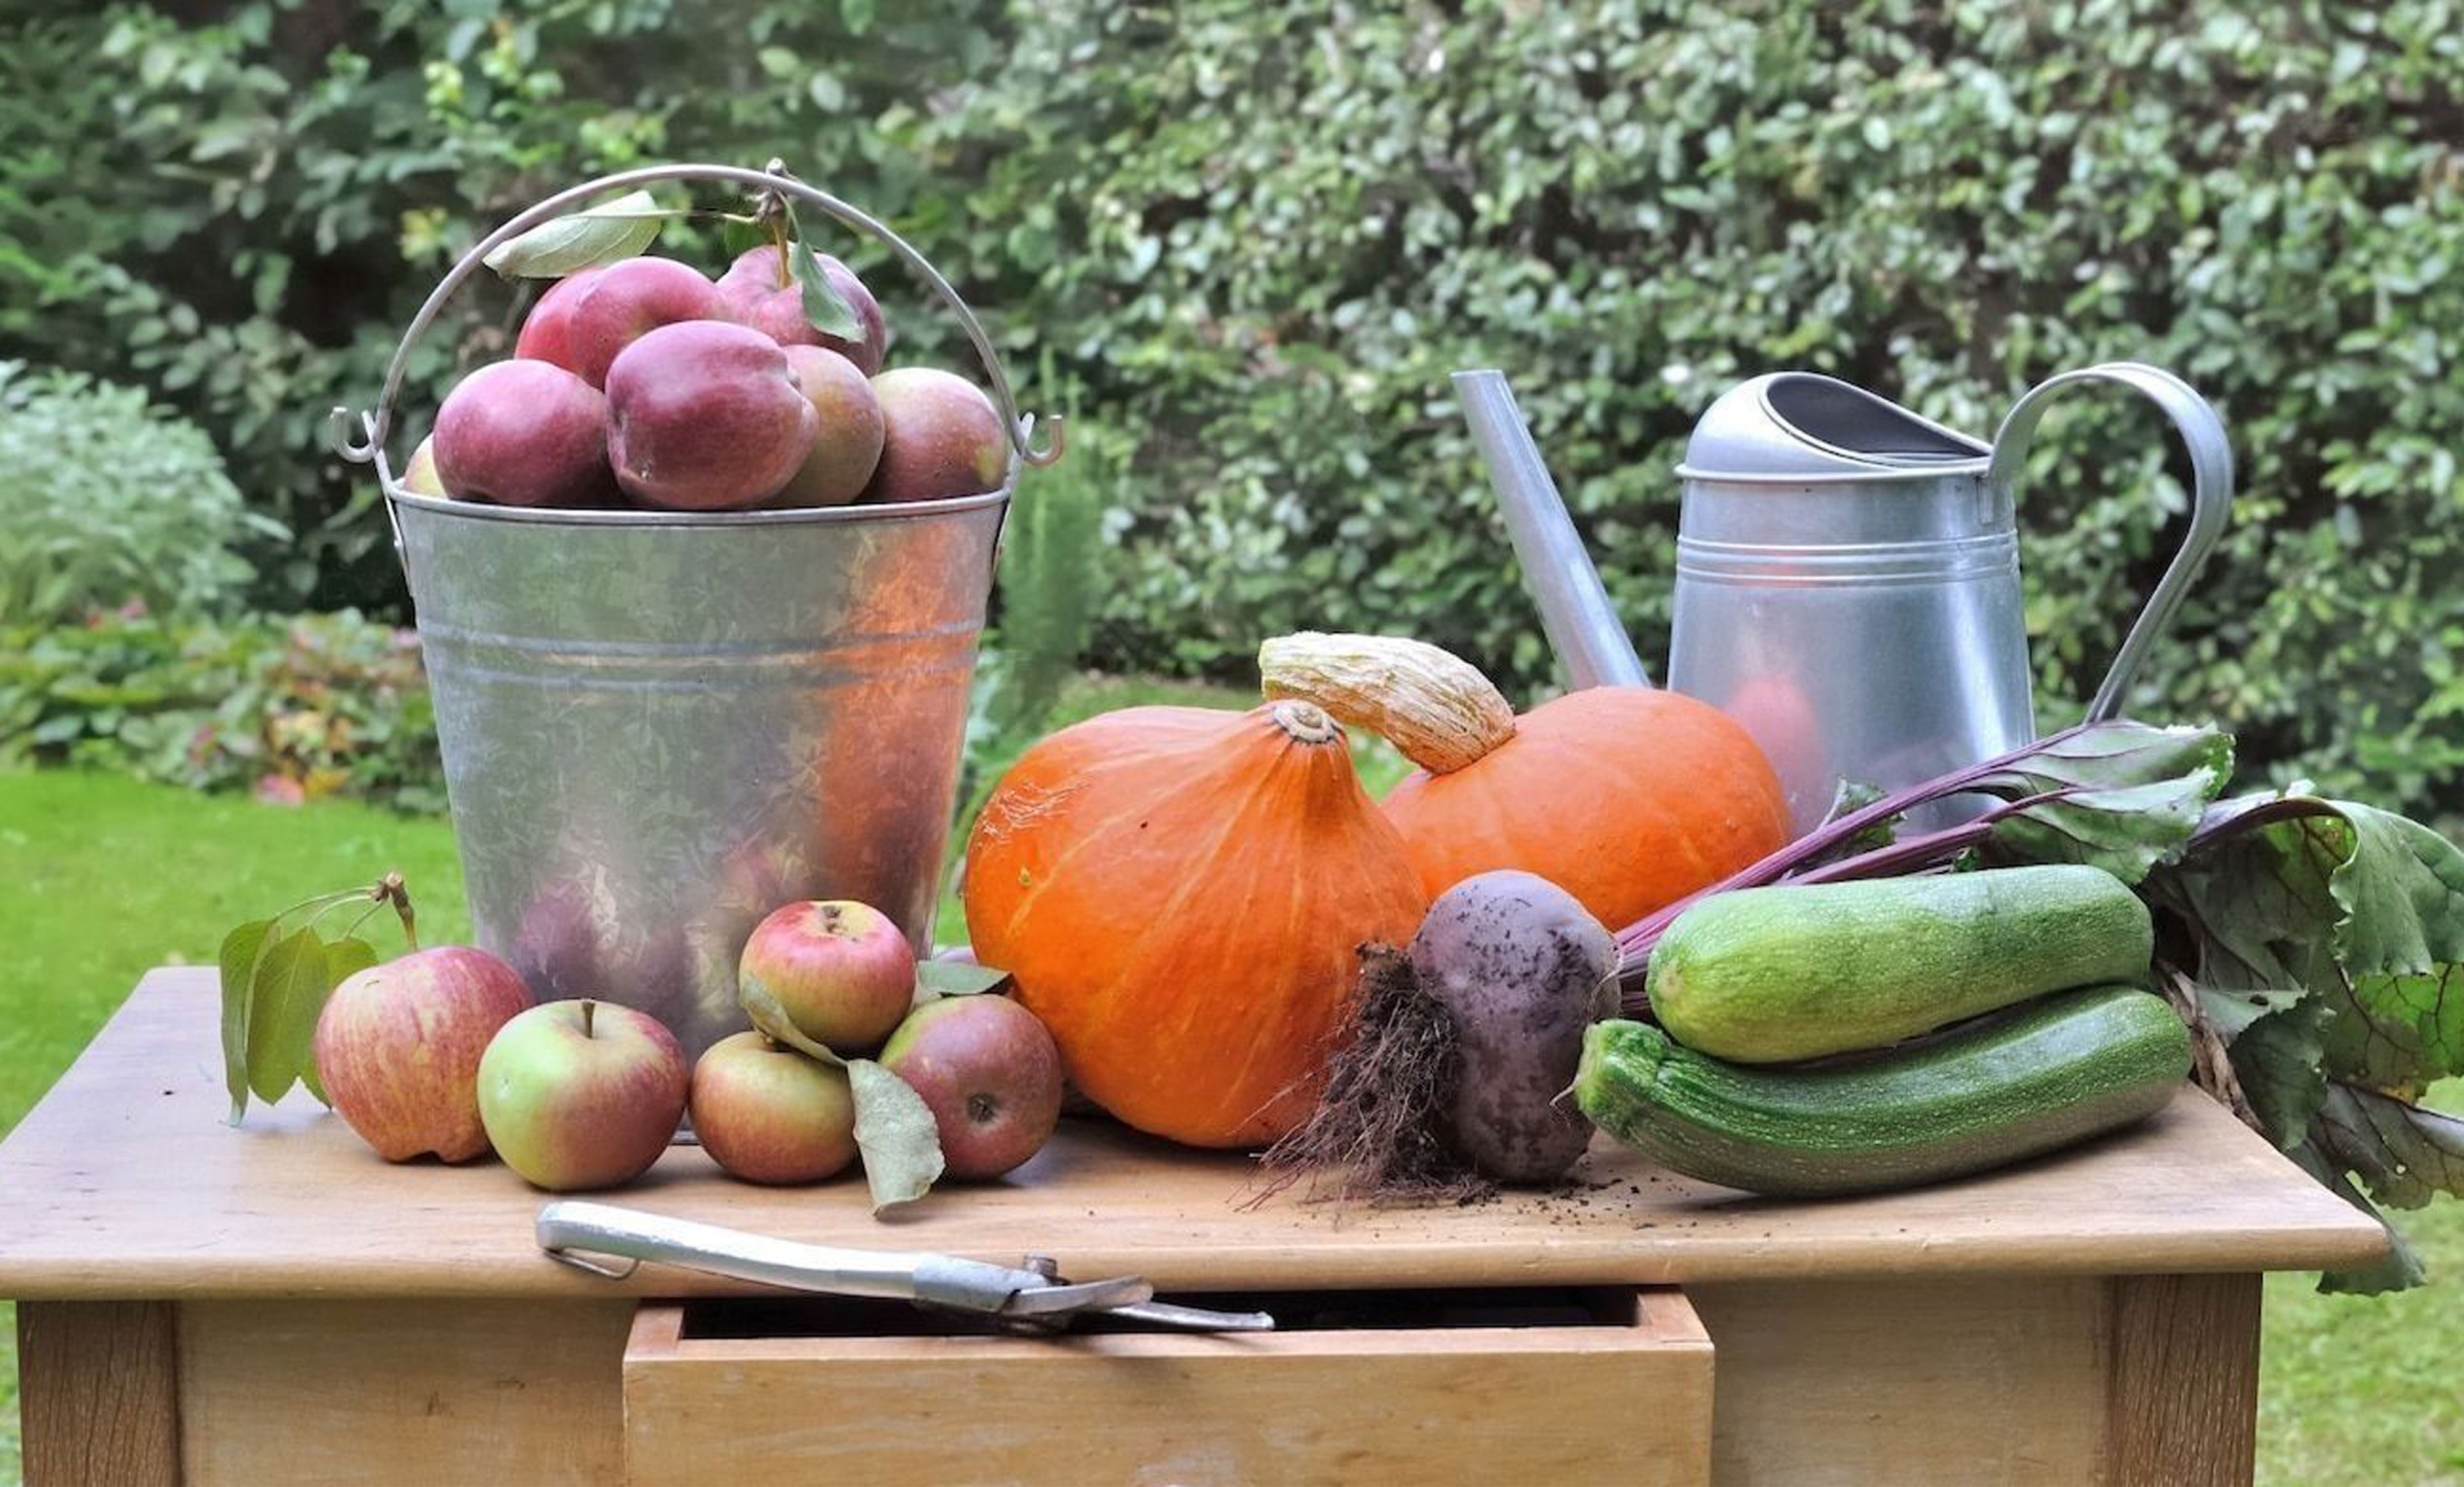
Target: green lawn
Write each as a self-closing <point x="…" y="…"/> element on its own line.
<point x="102" y="877"/>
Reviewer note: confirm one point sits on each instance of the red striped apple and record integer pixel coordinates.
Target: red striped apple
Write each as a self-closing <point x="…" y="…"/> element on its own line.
<point x="840" y="970"/>
<point x="398" y="1049"/>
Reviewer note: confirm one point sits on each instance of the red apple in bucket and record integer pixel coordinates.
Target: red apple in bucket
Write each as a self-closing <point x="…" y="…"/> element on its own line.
<point x="706" y="415"/>
<point x="760" y="292"/>
<point x="840" y="970"/>
<point x="766" y="1113"/>
<point x="398" y="1049"/>
<point x="989" y="1072"/>
<point x="547" y="331"/>
<point x="625" y="301"/>
<point x="523" y="433"/>
<point x="582" y="1094"/>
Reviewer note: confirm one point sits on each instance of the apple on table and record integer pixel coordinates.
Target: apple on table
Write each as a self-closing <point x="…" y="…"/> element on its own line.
<point x="398" y="1048"/>
<point x="841" y="971"/>
<point x="769" y="1114"/>
<point x="582" y="1094"/>
<point x="989" y="1072"/>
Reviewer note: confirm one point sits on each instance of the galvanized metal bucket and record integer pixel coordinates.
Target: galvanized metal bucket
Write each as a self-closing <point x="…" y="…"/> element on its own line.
<point x="658" y="725"/>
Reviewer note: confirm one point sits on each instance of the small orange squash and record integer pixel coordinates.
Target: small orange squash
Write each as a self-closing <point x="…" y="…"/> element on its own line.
<point x="1178" y="893"/>
<point x="1628" y="798"/>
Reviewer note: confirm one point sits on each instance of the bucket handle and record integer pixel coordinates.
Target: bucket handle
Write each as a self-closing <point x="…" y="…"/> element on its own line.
<point x="361" y="439"/>
<point x="2212" y="472"/>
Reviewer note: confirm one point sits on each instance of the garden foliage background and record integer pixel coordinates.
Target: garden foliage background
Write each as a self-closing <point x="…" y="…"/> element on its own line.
<point x="1246" y="241"/>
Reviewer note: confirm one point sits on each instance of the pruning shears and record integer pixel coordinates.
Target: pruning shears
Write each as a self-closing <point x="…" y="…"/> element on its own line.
<point x="1027" y="1297"/>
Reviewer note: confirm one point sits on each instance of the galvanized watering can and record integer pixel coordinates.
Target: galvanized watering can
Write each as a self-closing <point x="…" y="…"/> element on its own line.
<point x="658" y="725"/>
<point x="1847" y="574"/>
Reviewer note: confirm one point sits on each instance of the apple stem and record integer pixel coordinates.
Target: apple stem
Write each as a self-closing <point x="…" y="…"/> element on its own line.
<point x="588" y="1008"/>
<point x="390" y="889"/>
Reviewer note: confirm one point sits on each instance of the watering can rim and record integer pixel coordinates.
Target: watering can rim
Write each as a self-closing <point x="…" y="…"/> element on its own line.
<point x="1784" y="437"/>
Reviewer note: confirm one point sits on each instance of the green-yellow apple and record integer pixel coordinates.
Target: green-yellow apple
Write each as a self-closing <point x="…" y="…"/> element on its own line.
<point x="991" y="1075"/>
<point x="766" y="1113"/>
<point x="840" y="970"/>
<point x="582" y="1094"/>
<point x="398" y="1049"/>
<point x="419" y="477"/>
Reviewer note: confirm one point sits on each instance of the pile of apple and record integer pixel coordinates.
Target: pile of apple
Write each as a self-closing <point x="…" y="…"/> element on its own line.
<point x="442" y="1052"/>
<point x="644" y="382"/>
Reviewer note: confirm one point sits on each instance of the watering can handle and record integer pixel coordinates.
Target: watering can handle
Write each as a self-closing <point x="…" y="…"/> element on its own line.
<point x="361" y="438"/>
<point x="2212" y="472"/>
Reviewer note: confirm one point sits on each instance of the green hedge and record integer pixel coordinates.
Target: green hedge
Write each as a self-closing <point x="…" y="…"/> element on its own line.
<point x="1253" y="238"/>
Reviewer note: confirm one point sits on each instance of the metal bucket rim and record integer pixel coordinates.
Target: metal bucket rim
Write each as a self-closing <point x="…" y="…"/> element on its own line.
<point x="802" y="516"/>
<point x="1969" y="471"/>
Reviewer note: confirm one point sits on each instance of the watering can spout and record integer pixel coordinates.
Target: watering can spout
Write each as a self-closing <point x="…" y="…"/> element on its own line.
<point x="1582" y="626"/>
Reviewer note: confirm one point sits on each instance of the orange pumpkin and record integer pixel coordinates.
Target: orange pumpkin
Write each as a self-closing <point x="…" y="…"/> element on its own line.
<point x="1628" y="798"/>
<point x="1178" y="893"/>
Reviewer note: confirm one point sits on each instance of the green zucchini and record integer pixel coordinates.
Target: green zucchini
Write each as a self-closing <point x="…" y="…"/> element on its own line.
<point x="2056" y="1072"/>
<point x="1771" y="975"/>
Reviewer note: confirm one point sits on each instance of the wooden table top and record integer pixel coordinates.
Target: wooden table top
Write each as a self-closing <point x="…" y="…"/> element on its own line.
<point x="126" y="1183"/>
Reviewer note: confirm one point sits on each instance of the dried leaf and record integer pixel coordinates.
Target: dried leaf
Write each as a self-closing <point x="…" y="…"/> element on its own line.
<point x="581" y="240"/>
<point x="241" y="951"/>
<point x="762" y="1006"/>
<point x="895" y="1132"/>
<point x="956" y="977"/>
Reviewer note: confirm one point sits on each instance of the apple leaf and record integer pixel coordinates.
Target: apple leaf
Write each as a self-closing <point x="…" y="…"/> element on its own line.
<point x="284" y="998"/>
<point x="823" y="305"/>
<point x="241" y="951"/>
<point x="956" y="977"/>
<point x="895" y="1132"/>
<point x="582" y="240"/>
<point x="275" y="984"/>
<point x="770" y="1018"/>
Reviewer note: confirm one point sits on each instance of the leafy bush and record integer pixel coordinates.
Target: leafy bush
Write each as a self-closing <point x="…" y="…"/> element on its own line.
<point x="1259" y="234"/>
<point x="295" y="709"/>
<point x="107" y="501"/>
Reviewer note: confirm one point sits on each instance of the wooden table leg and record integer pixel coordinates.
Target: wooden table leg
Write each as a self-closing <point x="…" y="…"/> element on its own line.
<point x="2182" y="1386"/>
<point x="99" y="1393"/>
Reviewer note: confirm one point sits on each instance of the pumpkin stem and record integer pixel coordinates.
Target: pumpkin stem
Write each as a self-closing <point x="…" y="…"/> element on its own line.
<point x="1431" y="703"/>
<point x="1302" y="723"/>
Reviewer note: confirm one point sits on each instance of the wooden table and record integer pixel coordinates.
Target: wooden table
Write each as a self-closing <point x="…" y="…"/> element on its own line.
<point x="271" y="1302"/>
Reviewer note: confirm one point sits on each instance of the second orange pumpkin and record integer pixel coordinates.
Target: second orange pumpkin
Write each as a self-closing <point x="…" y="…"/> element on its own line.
<point x="1628" y="798"/>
